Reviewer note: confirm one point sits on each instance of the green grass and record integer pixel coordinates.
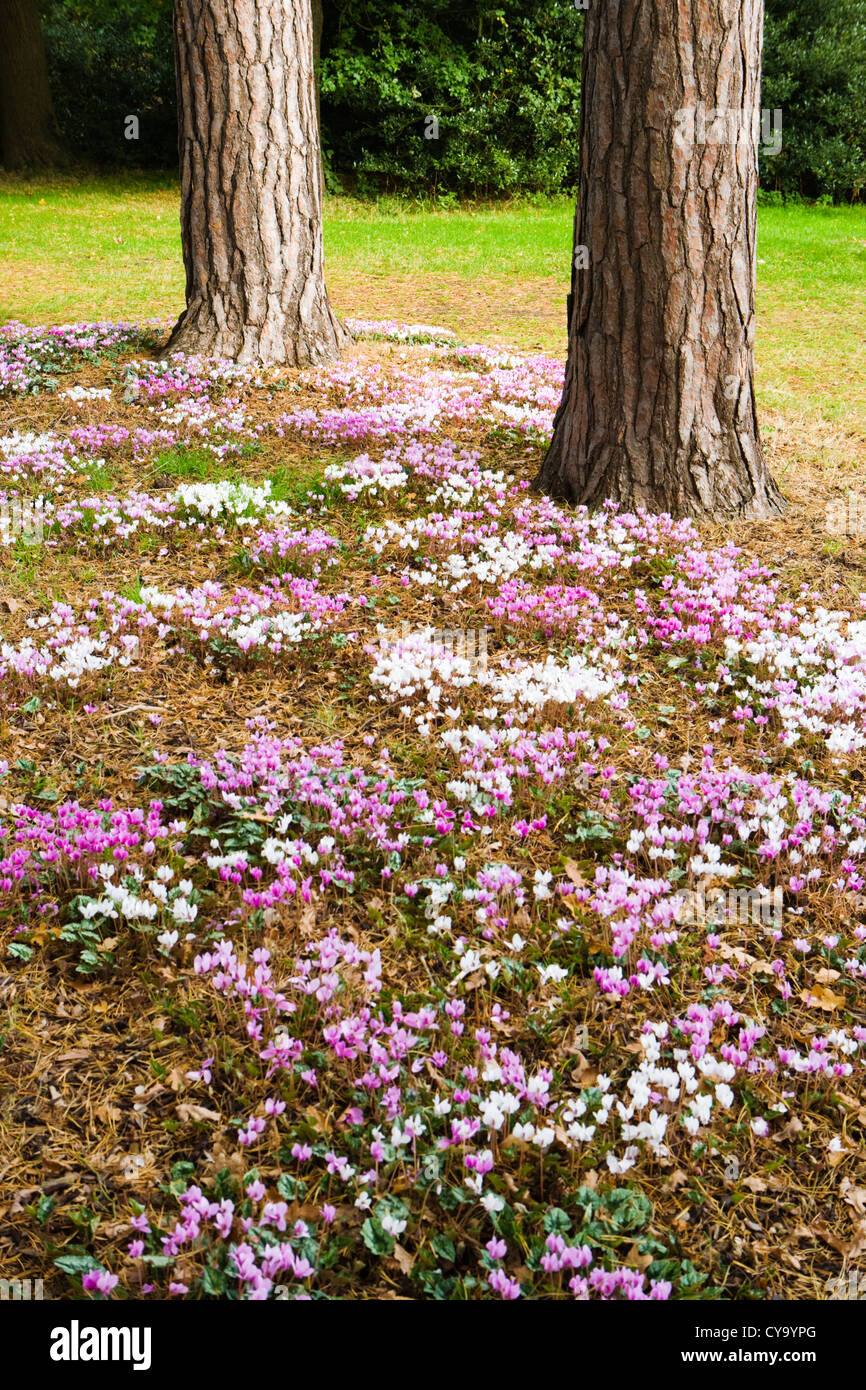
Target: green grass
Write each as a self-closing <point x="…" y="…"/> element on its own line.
<point x="99" y="477"/>
<point x="110" y="248"/>
<point x="811" y="309"/>
<point x="98" y="248"/>
<point x="122" y="235"/>
<point x="190" y="465"/>
<point x="525" y="240"/>
<point x="296" y="485"/>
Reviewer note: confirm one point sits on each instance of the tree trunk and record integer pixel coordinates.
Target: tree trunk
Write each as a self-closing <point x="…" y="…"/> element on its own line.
<point x="251" y="196"/>
<point x="318" y="26"/>
<point x="658" y="410"/>
<point x="29" y="135"/>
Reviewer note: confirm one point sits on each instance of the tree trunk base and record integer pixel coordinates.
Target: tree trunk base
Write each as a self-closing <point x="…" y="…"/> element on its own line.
<point x="34" y="151"/>
<point x="744" y="489"/>
<point x="251" y="196"/>
<point x="279" y="342"/>
<point x="658" y="410"/>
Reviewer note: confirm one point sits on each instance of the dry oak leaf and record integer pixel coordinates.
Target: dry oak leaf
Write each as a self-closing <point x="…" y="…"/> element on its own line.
<point x="794" y="1127"/>
<point x="761" y="967"/>
<point x="754" y="1184"/>
<point x="404" y="1260"/>
<point x="108" y="1114"/>
<point x="833" y="1157"/>
<point x="850" y="1249"/>
<point x="187" y="1111"/>
<point x="635" y="1260"/>
<point x="820" y="997"/>
<point x="854" y="1196"/>
<point x="584" y="1073"/>
<point x="572" y="871"/>
<point x="676" y="1179"/>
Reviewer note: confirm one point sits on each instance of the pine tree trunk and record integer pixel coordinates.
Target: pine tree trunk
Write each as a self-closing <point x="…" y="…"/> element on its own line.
<point x="318" y="27"/>
<point x="251" y="196"/>
<point x="658" y="410"/>
<point x="29" y="135"/>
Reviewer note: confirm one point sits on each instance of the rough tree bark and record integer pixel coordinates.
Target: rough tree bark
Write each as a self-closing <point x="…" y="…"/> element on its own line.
<point x="29" y="135"/>
<point x="318" y="27"/>
<point x="658" y="410"/>
<point x="251" y="195"/>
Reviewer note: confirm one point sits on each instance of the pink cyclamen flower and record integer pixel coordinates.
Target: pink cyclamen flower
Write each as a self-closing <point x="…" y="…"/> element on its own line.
<point x="501" y="1284"/>
<point x="99" y="1281"/>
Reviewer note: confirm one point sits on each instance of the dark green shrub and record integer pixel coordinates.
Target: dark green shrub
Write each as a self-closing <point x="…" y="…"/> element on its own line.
<point x="503" y="84"/>
<point x="502" y="81"/>
<point x="109" y="62"/>
<point x="815" y="73"/>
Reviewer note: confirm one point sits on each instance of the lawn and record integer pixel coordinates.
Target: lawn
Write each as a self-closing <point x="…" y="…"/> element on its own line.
<point x="411" y="888"/>
<point x="112" y="247"/>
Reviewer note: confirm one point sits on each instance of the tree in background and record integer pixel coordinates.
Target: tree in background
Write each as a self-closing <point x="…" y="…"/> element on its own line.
<point x="815" y="72"/>
<point x="29" y="135"/>
<point x="503" y="79"/>
<point x="251" y="196"/>
<point x="109" y="60"/>
<point x="658" y="409"/>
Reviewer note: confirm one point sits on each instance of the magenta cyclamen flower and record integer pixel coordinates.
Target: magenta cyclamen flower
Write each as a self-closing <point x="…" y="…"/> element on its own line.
<point x="99" y="1281"/>
<point x="502" y="1285"/>
<point x="360" y="910"/>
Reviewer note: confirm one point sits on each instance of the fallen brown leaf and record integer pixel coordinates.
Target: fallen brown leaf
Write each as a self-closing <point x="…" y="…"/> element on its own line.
<point x="187" y="1111"/>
